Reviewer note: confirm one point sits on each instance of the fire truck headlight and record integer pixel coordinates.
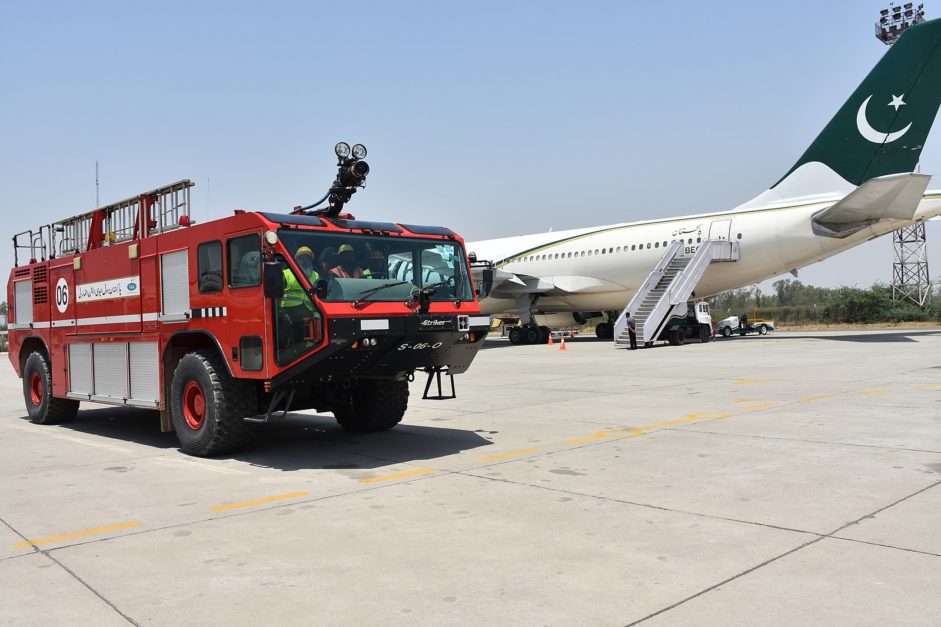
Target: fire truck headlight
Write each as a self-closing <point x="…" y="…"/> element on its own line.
<point x="343" y="150"/>
<point x="359" y="151"/>
<point x="271" y="237"/>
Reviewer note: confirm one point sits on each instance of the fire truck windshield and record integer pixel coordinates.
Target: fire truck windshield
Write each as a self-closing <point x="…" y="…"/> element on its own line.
<point x="365" y="268"/>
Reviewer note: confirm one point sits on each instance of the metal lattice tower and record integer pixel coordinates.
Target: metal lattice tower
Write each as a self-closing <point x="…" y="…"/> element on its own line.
<point x="910" y="279"/>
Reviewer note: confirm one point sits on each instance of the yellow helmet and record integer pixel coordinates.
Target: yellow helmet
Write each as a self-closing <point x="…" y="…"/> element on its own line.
<point x="345" y="248"/>
<point x="303" y="250"/>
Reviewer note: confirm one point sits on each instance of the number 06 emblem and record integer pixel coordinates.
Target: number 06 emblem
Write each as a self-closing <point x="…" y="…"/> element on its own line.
<point x="62" y="295"/>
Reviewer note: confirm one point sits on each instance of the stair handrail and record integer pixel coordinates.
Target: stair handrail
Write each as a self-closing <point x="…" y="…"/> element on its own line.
<point x="649" y="283"/>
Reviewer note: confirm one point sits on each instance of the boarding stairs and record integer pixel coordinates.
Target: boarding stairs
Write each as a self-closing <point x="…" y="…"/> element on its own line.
<point x="151" y="213"/>
<point x="668" y="287"/>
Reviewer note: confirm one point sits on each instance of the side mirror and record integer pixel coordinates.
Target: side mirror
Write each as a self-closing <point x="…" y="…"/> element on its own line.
<point x="484" y="287"/>
<point x="273" y="279"/>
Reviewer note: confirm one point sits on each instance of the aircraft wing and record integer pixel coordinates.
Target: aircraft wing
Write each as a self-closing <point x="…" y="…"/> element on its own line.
<point x="508" y="284"/>
<point x="893" y="197"/>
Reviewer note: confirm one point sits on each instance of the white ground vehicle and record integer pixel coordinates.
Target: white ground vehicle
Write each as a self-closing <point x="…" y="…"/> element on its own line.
<point x="742" y="326"/>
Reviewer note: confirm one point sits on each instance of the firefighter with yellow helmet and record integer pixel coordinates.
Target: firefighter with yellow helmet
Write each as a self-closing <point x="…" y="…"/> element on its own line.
<point x="300" y="316"/>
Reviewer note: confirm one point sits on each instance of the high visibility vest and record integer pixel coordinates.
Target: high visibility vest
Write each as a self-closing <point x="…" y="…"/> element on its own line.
<point x="339" y="272"/>
<point x="294" y="295"/>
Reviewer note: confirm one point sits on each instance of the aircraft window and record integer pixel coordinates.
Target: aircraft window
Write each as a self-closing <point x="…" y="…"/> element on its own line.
<point x="698" y="240"/>
<point x="664" y="244"/>
<point x="589" y="253"/>
<point x="690" y="241"/>
<point x="619" y="249"/>
<point x="739" y="236"/>
<point x="633" y="246"/>
<point x="648" y="245"/>
<point x="656" y="245"/>
<point x="603" y="251"/>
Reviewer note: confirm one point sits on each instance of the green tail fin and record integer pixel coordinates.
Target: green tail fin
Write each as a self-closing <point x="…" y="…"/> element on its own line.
<point x="883" y="126"/>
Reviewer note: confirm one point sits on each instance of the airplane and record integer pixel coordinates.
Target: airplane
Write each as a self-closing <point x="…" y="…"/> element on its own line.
<point x="857" y="181"/>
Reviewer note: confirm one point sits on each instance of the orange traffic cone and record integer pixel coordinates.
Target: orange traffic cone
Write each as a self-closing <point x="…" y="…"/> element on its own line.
<point x="562" y="345"/>
<point x="550" y="340"/>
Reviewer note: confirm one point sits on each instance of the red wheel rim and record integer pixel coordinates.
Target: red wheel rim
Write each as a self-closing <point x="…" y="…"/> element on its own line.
<point x="194" y="405"/>
<point x="35" y="388"/>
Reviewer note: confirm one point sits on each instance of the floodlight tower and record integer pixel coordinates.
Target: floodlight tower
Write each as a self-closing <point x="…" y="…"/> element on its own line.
<point x="910" y="279"/>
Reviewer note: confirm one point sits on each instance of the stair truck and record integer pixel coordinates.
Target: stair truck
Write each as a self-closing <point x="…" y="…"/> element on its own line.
<point x="222" y="324"/>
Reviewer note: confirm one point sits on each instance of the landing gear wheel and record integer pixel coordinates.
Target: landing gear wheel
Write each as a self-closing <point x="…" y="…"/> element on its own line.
<point x="208" y="407"/>
<point x="372" y="405"/>
<point x="531" y="334"/>
<point x="43" y="408"/>
<point x="516" y="335"/>
<point x="727" y="332"/>
<point x="544" y="333"/>
<point x="762" y="330"/>
<point x="604" y="331"/>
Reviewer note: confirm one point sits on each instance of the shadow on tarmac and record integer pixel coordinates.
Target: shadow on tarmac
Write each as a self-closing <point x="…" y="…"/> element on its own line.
<point x="871" y="337"/>
<point x="297" y="441"/>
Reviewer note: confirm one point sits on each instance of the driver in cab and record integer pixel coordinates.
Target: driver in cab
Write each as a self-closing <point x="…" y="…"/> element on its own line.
<point x="347" y="267"/>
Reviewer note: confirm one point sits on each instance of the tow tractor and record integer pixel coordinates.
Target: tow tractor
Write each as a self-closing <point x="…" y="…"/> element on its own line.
<point x="238" y="320"/>
<point x="743" y="326"/>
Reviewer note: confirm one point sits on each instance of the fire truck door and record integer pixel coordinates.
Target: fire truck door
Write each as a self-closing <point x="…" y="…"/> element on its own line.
<point x="62" y="296"/>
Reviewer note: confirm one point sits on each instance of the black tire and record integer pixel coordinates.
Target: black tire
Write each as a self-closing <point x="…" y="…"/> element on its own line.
<point x="44" y="408"/>
<point x="531" y="334"/>
<point x="727" y="332"/>
<point x="762" y="330"/>
<point x="705" y="333"/>
<point x="604" y="330"/>
<point x="220" y="426"/>
<point x="544" y="333"/>
<point x="680" y="336"/>
<point x="372" y="405"/>
<point x="516" y="335"/>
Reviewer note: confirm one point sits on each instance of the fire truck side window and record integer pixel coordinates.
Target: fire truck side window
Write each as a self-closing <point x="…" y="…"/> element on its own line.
<point x="209" y="267"/>
<point x="244" y="261"/>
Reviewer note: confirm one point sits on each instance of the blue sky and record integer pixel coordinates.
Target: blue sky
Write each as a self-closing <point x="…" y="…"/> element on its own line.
<point x="494" y="118"/>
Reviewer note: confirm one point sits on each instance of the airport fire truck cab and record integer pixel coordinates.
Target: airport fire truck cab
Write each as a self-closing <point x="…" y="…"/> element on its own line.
<point x="233" y="321"/>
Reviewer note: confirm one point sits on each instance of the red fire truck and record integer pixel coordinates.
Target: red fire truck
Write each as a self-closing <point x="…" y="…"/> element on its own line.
<point x="230" y="322"/>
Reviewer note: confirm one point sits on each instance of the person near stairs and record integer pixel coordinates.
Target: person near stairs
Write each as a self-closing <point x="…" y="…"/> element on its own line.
<point x="632" y="330"/>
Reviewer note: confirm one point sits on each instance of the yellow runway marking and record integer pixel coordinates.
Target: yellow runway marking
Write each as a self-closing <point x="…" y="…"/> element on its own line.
<point x="807" y="399"/>
<point x="491" y="458"/>
<point x="930" y="386"/>
<point x="398" y="475"/>
<point x="634" y="432"/>
<point x="266" y="499"/>
<point x="758" y="407"/>
<point x="77" y="534"/>
<point x="876" y="391"/>
<point x="748" y="400"/>
<point x="751" y="381"/>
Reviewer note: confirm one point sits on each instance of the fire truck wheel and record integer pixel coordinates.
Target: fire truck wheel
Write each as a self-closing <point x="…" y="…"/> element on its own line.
<point x="372" y="405"/>
<point x="208" y="406"/>
<point x="43" y="407"/>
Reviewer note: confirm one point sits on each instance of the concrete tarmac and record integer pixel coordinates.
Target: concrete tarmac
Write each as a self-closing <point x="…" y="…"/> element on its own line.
<point x="778" y="480"/>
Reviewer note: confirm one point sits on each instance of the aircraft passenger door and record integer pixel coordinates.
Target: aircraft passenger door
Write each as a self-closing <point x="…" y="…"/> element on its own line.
<point x="720" y="230"/>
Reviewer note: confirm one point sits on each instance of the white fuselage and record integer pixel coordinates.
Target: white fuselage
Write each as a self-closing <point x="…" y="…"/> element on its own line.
<point x="599" y="269"/>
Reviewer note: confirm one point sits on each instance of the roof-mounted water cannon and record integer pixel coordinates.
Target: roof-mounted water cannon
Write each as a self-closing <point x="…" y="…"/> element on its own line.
<point x="351" y="175"/>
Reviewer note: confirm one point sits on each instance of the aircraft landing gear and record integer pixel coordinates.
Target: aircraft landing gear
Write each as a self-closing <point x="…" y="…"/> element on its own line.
<point x="604" y="330"/>
<point x="529" y="334"/>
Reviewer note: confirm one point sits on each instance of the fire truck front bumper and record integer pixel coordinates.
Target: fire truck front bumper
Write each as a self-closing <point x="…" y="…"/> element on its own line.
<point x="364" y="347"/>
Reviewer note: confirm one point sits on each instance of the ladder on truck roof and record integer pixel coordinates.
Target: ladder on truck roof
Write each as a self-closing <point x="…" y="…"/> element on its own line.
<point x="668" y="287"/>
<point x="151" y="213"/>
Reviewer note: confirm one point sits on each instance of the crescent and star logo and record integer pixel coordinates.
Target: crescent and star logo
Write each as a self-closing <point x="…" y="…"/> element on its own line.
<point x="871" y="134"/>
